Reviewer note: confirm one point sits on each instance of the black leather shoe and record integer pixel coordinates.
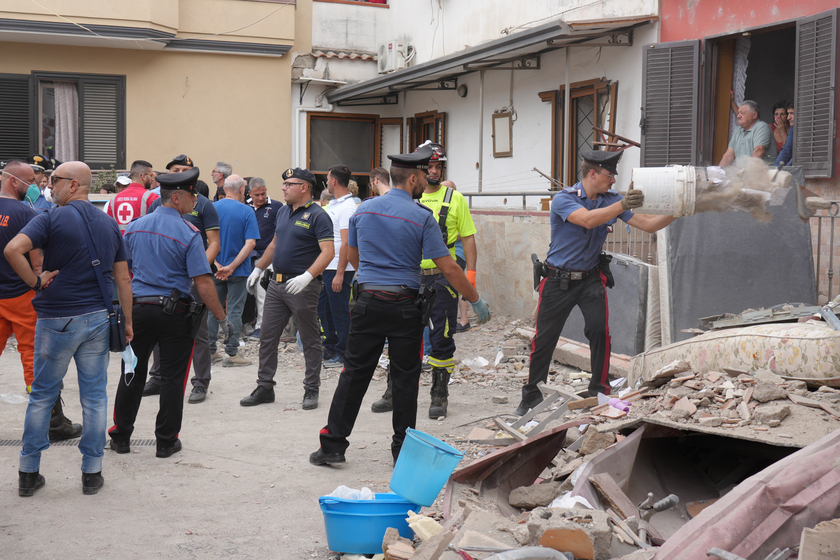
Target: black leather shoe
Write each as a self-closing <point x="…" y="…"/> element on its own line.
<point x="28" y="482"/>
<point x="92" y="482"/>
<point x="151" y="388"/>
<point x="168" y="451"/>
<point x="259" y="395"/>
<point x="321" y="458"/>
<point x="62" y="428"/>
<point x="120" y="447"/>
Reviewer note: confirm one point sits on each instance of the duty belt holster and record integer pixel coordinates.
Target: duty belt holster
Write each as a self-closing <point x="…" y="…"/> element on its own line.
<point x="195" y="316"/>
<point x="425" y="302"/>
<point x="539" y="271"/>
<point x="604" y="264"/>
<point x="265" y="280"/>
<point x="170" y="302"/>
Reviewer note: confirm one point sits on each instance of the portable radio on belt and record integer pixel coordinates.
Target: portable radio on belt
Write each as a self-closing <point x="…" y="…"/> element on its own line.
<point x="170" y="303"/>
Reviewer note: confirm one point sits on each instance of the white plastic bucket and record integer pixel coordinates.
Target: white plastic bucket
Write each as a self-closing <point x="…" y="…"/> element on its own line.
<point x="669" y="191"/>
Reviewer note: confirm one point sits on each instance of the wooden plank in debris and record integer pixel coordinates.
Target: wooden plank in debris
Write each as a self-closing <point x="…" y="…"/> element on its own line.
<point x="626" y="528"/>
<point x="822" y="542"/>
<point x="519" y="436"/>
<point x="561" y="411"/>
<point x="612" y="493"/>
<point x="547" y="403"/>
<point x="583" y="403"/>
<point x="499" y="441"/>
<point x="562" y="390"/>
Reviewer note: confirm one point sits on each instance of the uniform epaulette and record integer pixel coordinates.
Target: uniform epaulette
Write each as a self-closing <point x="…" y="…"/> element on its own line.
<point x="192" y="226"/>
<point x="424" y="207"/>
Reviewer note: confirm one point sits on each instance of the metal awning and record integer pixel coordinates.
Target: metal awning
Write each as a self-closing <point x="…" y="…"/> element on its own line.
<point x="520" y="51"/>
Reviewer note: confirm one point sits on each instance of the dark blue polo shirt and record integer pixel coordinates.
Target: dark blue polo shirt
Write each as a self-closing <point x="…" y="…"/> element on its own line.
<point x="575" y="247"/>
<point x="203" y="216"/>
<point x="299" y="233"/>
<point x="14" y="214"/>
<point x="74" y="290"/>
<point x="393" y="233"/>
<point x="266" y="221"/>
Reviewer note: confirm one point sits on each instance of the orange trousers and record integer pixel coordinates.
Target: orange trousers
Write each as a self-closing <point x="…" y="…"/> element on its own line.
<point x="18" y="316"/>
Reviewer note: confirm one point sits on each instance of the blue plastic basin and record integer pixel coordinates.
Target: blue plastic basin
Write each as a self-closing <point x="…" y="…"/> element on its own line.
<point x="358" y="526"/>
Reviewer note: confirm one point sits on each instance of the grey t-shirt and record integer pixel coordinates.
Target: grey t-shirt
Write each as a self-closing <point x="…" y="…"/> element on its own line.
<point x="745" y="141"/>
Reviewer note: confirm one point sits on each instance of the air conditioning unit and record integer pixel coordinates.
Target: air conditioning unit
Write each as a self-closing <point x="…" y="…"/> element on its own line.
<point x="391" y="56"/>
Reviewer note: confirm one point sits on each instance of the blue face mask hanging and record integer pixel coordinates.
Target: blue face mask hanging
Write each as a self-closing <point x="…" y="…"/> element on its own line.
<point x="32" y="193"/>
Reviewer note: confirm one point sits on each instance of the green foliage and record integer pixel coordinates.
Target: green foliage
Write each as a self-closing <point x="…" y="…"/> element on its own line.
<point x="103" y="178"/>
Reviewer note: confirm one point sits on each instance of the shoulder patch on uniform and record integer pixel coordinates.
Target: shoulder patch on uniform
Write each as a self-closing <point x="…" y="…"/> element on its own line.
<point x="192" y="226"/>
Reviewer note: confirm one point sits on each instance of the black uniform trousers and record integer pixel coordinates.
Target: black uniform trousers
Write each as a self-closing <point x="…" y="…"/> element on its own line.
<point x="172" y="334"/>
<point x="590" y="294"/>
<point x="375" y="317"/>
<point x="444" y="317"/>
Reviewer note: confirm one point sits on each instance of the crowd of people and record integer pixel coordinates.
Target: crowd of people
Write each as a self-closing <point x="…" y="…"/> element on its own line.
<point x="755" y="138"/>
<point x="182" y="267"/>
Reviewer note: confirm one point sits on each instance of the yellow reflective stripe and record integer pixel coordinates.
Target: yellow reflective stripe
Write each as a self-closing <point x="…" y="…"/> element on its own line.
<point x="449" y="363"/>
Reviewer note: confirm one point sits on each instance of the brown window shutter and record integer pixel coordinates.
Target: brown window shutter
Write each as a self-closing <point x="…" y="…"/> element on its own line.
<point x="671" y="81"/>
<point x="815" y="94"/>
<point x="102" y="122"/>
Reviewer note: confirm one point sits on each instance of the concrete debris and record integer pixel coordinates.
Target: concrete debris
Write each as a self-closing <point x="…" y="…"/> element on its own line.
<point x="764" y="414"/>
<point x="672" y="369"/>
<point x="536" y="495"/>
<point x="500" y="399"/>
<point x="595" y="441"/>
<point x="766" y="391"/>
<point x="586" y="534"/>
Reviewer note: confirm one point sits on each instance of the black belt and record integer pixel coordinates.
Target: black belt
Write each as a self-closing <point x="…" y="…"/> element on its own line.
<point x="397" y="290"/>
<point x="283" y="277"/>
<point x="574" y="275"/>
<point x="183" y="305"/>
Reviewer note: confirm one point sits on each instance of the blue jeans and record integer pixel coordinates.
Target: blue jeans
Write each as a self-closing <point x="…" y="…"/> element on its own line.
<point x="338" y="309"/>
<point x="234" y="291"/>
<point x="84" y="338"/>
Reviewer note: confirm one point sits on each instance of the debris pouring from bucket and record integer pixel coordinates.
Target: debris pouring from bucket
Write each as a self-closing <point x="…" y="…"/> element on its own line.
<point x="686" y="190"/>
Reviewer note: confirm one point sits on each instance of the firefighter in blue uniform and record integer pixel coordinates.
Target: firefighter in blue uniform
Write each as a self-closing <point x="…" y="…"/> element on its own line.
<point x="167" y="251"/>
<point x="576" y="273"/>
<point x="387" y="238"/>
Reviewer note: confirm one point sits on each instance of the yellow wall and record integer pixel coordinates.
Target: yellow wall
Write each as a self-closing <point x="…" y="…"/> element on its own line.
<point x="162" y="14"/>
<point x="209" y="106"/>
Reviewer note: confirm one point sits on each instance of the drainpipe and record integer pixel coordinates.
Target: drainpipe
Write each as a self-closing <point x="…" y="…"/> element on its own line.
<point x="319" y="109"/>
<point x="480" y="128"/>
<point x="566" y="123"/>
<point x="405" y="131"/>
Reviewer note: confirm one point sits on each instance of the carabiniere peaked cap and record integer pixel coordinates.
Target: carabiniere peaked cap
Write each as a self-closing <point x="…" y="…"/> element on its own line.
<point x="185" y="180"/>
<point x="418" y="159"/>
<point x="607" y="160"/>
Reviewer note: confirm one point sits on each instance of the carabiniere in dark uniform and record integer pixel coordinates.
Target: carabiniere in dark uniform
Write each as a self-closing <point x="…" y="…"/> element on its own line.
<point x="167" y="251"/>
<point x="576" y="272"/>
<point x="387" y="237"/>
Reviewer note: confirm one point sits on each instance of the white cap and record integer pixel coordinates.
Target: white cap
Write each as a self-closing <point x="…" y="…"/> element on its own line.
<point x="123" y="180"/>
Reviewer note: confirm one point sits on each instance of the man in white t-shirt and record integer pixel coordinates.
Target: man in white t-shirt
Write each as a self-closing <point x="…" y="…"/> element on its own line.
<point x="335" y="319"/>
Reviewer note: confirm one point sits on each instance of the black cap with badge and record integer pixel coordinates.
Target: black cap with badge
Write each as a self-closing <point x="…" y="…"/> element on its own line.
<point x="299" y="173"/>
<point x="180" y="160"/>
<point x="418" y="159"/>
<point x="607" y="160"/>
<point x="39" y="163"/>
<point x="184" y="181"/>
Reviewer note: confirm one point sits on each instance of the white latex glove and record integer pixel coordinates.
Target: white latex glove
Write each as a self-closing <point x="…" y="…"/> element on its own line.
<point x="298" y="283"/>
<point x="253" y="279"/>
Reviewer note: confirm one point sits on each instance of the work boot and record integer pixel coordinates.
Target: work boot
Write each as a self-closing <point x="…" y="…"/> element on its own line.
<point x="386" y="403"/>
<point x="217" y="357"/>
<point x="197" y="395"/>
<point x="92" y="482"/>
<point x="61" y="427"/>
<point x="310" y="399"/>
<point x="440" y="393"/>
<point x="28" y="482"/>
<point x="235" y="361"/>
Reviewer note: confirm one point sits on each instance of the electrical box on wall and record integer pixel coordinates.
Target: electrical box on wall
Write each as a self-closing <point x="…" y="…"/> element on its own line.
<point x="391" y="56"/>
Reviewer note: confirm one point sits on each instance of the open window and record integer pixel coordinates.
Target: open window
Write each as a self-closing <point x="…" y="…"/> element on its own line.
<point x="592" y="104"/>
<point x="430" y="125"/>
<point x="66" y="116"/>
<point x="686" y="114"/>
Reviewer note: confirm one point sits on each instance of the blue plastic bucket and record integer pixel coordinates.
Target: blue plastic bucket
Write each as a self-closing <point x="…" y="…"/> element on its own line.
<point x="358" y="526"/>
<point x="424" y="466"/>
